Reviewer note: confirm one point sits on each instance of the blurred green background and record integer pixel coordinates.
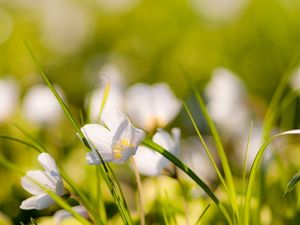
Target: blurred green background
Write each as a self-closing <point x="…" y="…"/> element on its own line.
<point x="149" y="41"/>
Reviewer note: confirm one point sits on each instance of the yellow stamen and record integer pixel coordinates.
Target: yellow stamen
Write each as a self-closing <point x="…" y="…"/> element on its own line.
<point x="119" y="148"/>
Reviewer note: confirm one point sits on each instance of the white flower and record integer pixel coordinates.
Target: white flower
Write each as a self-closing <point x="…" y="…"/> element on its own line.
<point x="49" y="178"/>
<point x="194" y="155"/>
<point x="65" y="26"/>
<point x="40" y="105"/>
<point x="151" y="107"/>
<point x="256" y="141"/>
<point x="150" y="162"/>
<point x="62" y="214"/>
<point x="295" y="80"/>
<point x="109" y="77"/>
<point x="226" y="102"/>
<point x="9" y="94"/>
<point x="117" y="6"/>
<point x="116" y="142"/>
<point x="219" y="10"/>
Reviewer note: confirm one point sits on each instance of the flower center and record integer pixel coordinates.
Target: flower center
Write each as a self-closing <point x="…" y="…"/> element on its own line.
<point x="154" y="122"/>
<point x="120" y="146"/>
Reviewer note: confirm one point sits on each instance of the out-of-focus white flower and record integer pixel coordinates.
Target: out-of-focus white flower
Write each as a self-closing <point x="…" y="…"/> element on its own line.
<point x="295" y="80"/>
<point x="65" y="26"/>
<point x="49" y="178"/>
<point x="227" y="102"/>
<point x="150" y="162"/>
<point x="116" y="142"/>
<point x="9" y="94"/>
<point x="110" y="72"/>
<point x="40" y="105"/>
<point x="117" y="5"/>
<point x="151" y="107"/>
<point x="256" y="141"/>
<point x="110" y="78"/>
<point x="62" y="214"/>
<point x="219" y="10"/>
<point x="194" y="155"/>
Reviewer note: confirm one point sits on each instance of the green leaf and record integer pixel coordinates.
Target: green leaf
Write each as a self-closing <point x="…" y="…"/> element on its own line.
<point x="149" y="143"/>
<point x="276" y="101"/>
<point x="292" y="183"/>
<point x="217" y="139"/>
<point x="105" y="170"/>
<point x="21" y="142"/>
<point x="202" y="215"/>
<point x="207" y="150"/>
<point x="105" y="96"/>
<point x="55" y="93"/>
<point x="33" y="221"/>
<point x="255" y="169"/>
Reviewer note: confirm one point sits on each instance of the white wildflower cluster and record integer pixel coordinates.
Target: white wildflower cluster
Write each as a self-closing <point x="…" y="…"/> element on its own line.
<point x="150" y="107"/>
<point x="121" y="117"/>
<point x="111" y="135"/>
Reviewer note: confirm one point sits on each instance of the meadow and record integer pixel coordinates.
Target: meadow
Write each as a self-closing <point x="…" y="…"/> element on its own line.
<point x="181" y="112"/>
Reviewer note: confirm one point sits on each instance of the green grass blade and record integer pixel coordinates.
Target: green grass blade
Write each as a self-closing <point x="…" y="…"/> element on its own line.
<point x="207" y="149"/>
<point x="254" y="171"/>
<point x="31" y="138"/>
<point x="108" y="175"/>
<point x="55" y="93"/>
<point x="292" y="183"/>
<point x="245" y="166"/>
<point x="165" y="216"/>
<point x="149" y="143"/>
<point x="272" y="112"/>
<point x="219" y="145"/>
<point x="105" y="96"/>
<point x="99" y="198"/>
<point x="113" y="186"/>
<point x="33" y="221"/>
<point x="21" y="142"/>
<point x="202" y="215"/>
<point x="140" y="192"/>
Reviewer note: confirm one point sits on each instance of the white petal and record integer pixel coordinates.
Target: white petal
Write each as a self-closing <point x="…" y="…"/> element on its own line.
<point x="9" y="94"/>
<point x="132" y="135"/>
<point x="49" y="164"/>
<point x="139" y="106"/>
<point x="164" y="139"/>
<point x="113" y="119"/>
<point x="100" y="138"/>
<point x="93" y="158"/>
<point x="176" y="133"/>
<point x="40" y="105"/>
<point x="28" y="181"/>
<point x="149" y="162"/>
<point x="165" y="105"/>
<point x="38" y="202"/>
<point x="62" y="214"/>
<point x="124" y="131"/>
<point x="30" y="186"/>
<point x="137" y="136"/>
<point x="114" y="101"/>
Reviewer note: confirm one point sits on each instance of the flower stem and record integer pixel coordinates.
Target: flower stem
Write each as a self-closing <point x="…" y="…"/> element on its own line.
<point x="140" y="191"/>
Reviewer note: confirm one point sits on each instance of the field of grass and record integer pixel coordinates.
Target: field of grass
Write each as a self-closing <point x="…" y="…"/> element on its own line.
<point x="181" y="112"/>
